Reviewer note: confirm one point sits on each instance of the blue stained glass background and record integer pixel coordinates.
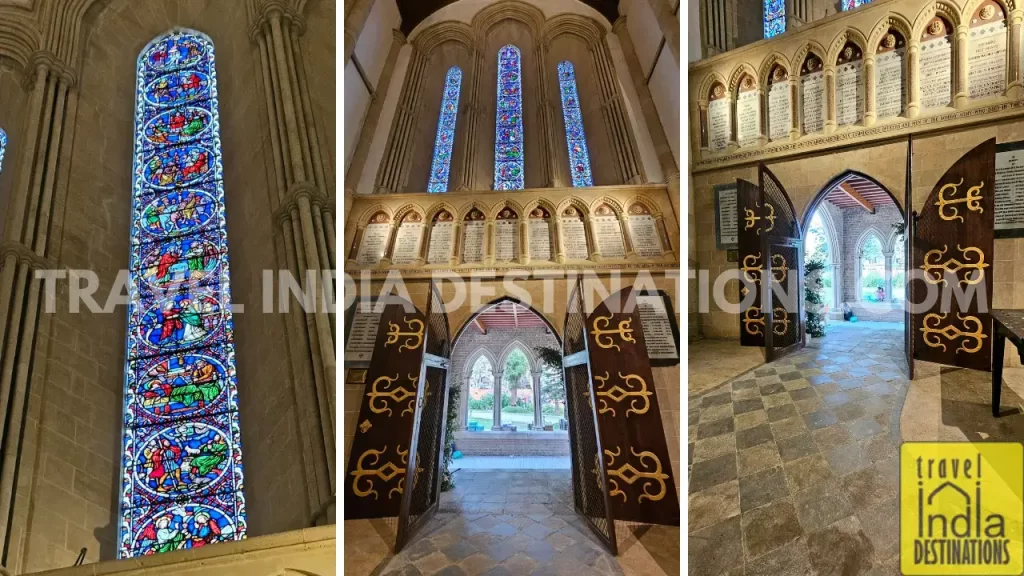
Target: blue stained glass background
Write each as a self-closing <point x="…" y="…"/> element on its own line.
<point x="182" y="481"/>
<point x="3" y="147"/>
<point x="774" y="17"/>
<point x="508" y="124"/>
<point x="575" y="137"/>
<point x="851" y="4"/>
<point x="441" y="166"/>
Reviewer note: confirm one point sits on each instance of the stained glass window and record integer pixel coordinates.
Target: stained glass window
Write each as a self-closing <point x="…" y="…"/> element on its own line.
<point x="442" y="163"/>
<point x="182" y="463"/>
<point x="508" y="139"/>
<point x="576" y="139"/>
<point x="3" y="147"/>
<point x="774" y="17"/>
<point x="851" y="4"/>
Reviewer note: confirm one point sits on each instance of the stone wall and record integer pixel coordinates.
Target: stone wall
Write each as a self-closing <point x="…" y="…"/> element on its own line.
<point x="856" y="223"/>
<point x="518" y="443"/>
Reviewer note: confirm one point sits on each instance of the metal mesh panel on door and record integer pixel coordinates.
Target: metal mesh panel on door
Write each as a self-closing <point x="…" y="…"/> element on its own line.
<point x="785" y="220"/>
<point x="425" y="481"/>
<point x="574" y="339"/>
<point x="587" y="493"/>
<point x="438" y="340"/>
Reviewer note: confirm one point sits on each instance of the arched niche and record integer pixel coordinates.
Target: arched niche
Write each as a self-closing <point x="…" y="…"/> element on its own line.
<point x="780" y="105"/>
<point x="748" y="109"/>
<point x="646" y="229"/>
<point x="890" y="74"/>
<point x="573" y="224"/>
<point x="606" y="223"/>
<point x="719" y="118"/>
<point x="986" y="50"/>
<point x="812" y="93"/>
<point x="507" y="238"/>
<point x="441" y="243"/>
<point x="935" y="64"/>
<point x="849" y="84"/>
<point x="540" y="232"/>
<point x="408" y="242"/>
<point x="371" y="240"/>
<point x="473" y="244"/>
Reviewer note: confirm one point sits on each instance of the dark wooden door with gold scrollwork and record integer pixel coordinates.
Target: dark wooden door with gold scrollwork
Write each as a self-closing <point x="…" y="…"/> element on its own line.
<point x="753" y="218"/>
<point x="635" y="452"/>
<point x="953" y="251"/>
<point x="782" y="297"/>
<point x="591" y="500"/>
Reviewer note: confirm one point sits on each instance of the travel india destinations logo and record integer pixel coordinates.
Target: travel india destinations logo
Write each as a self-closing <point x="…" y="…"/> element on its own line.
<point x="962" y="508"/>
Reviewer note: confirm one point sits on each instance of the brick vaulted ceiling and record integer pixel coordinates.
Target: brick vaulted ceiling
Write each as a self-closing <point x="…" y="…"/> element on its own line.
<point x="858" y="192"/>
<point x="415" y="11"/>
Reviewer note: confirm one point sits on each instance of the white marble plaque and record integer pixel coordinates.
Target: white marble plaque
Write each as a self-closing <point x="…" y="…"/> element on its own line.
<point x="539" y="230"/>
<point x="506" y="240"/>
<point x="935" y="62"/>
<point x="813" y="97"/>
<point x="643" y="231"/>
<point x="661" y="342"/>
<point x="986" y="60"/>
<point x="362" y="336"/>
<point x="609" y="236"/>
<point x="407" y="243"/>
<point x="728" y="233"/>
<point x="574" y="239"/>
<point x="441" y="239"/>
<point x="1009" y="190"/>
<point x="718" y="124"/>
<point x="473" y="242"/>
<point x="780" y="116"/>
<point x="747" y="112"/>
<point x="889" y="84"/>
<point x="374" y="243"/>
<point x="849" y="93"/>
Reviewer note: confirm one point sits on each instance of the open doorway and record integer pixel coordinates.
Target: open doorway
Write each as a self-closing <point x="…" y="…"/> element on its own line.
<point x="854" y="255"/>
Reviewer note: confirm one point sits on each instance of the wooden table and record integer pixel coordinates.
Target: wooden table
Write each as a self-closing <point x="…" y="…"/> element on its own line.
<point x="1006" y="325"/>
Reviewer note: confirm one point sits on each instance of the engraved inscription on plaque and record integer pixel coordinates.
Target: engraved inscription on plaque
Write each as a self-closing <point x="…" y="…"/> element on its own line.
<point x="813" y="96"/>
<point x="728" y="234"/>
<point x="441" y="238"/>
<point x="644" y="233"/>
<point x="506" y="240"/>
<point x="609" y="236"/>
<point x="889" y="84"/>
<point x="407" y="242"/>
<point x="986" y="59"/>
<point x="719" y="127"/>
<point x="1009" y="190"/>
<point x="574" y="235"/>
<point x="473" y="242"/>
<point x="539" y="230"/>
<point x="661" y="342"/>
<point x="780" y="117"/>
<point x="747" y="112"/>
<point x="849" y="93"/>
<point x="935" y="61"/>
<point x="375" y="240"/>
<point x="362" y="335"/>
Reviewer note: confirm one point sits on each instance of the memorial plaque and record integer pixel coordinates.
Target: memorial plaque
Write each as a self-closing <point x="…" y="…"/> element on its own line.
<point x="506" y="237"/>
<point x="725" y="217"/>
<point x="362" y="333"/>
<point x="660" y="337"/>
<point x="986" y="52"/>
<point x="849" y="93"/>
<point x="644" y="232"/>
<point x="889" y="77"/>
<point x="935" y="62"/>
<point x="1009" y="217"/>
<point x="441" y="239"/>
<point x="748" y="110"/>
<point x="538" y="227"/>
<point x="780" y="115"/>
<point x="812" y="96"/>
<point x="574" y="235"/>
<point x="473" y="242"/>
<point x="374" y="243"/>
<point x="407" y="241"/>
<point x="719" y="126"/>
<point x="608" y="233"/>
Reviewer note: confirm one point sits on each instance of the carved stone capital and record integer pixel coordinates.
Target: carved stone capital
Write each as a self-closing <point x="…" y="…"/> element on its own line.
<point x="46" y="63"/>
<point x="25" y="255"/>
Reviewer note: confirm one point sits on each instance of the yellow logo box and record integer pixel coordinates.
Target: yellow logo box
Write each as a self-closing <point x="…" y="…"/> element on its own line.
<point x="962" y="508"/>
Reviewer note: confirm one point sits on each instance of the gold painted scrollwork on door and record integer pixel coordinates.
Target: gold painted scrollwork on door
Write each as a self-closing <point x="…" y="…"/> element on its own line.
<point x="972" y="198"/>
<point x="751" y="217"/>
<point x="414" y="336"/>
<point x="399" y="394"/>
<point x="753" y="321"/>
<point x="780" y="268"/>
<point x="933" y="266"/>
<point x="629" y="474"/>
<point x="752" y="263"/>
<point x="386" y="472"/>
<point x="932" y="332"/>
<point x="780" y="318"/>
<point x="623" y="330"/>
<point x="617" y="394"/>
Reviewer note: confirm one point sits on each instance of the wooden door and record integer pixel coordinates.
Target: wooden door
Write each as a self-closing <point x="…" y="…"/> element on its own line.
<point x="953" y="249"/>
<point x="782" y="296"/>
<point x="910" y="220"/>
<point x="589" y="481"/>
<point x="752" y="219"/>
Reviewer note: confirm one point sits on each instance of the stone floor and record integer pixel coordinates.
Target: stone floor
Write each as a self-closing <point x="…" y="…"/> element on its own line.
<point x="711" y="362"/>
<point x="794" y="464"/>
<point x="509" y="523"/>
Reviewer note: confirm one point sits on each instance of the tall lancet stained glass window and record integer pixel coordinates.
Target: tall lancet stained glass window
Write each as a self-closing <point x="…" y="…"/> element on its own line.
<point x="3" y="147"/>
<point x="774" y="17"/>
<point x="576" y="139"/>
<point x="508" y="137"/>
<point x="441" y="166"/>
<point x="851" y="4"/>
<point x="182" y="461"/>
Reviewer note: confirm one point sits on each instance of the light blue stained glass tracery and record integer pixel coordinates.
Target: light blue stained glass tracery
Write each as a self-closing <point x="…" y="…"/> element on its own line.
<point x="3" y="147"/>
<point x="575" y="137"/>
<point x="441" y="166"/>
<point x="508" y="138"/>
<point x="774" y="17"/>
<point x="181" y="462"/>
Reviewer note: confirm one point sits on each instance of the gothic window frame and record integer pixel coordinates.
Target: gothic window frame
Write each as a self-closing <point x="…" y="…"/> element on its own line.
<point x="575" y="135"/>
<point x="444" y="140"/>
<point x="180" y="378"/>
<point x="509" y="146"/>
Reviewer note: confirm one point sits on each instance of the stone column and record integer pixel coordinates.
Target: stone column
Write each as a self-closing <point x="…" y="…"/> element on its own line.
<point x="453" y="258"/>
<point x="428" y="229"/>
<point x="389" y="247"/>
<point x="394" y="169"/>
<point x="524" y="241"/>
<point x="733" y="144"/>
<point x="468" y="124"/>
<point x="498" y="381"/>
<point x="1013" y="85"/>
<point x="356" y="14"/>
<point x="558" y="249"/>
<point x="40" y="185"/>
<point x="961" y="94"/>
<point x="357" y="239"/>
<point x="547" y="122"/>
<point x="538" y="418"/>
<point x="303" y="208"/>
<point x="869" y="91"/>
<point x="667" y="250"/>
<point x="762" y="117"/>
<point x="794" y="107"/>
<point x="913" y="79"/>
<point x="627" y="236"/>
<point x="595" y="248"/>
<point x="489" y="243"/>
<point x="830" y="99"/>
<point x="623" y="142"/>
<point x="888" y="276"/>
